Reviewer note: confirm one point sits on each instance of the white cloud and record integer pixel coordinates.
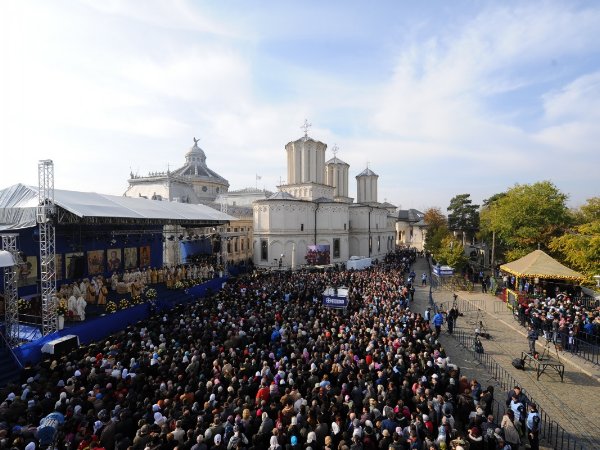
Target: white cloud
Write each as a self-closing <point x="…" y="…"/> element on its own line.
<point x="120" y="84"/>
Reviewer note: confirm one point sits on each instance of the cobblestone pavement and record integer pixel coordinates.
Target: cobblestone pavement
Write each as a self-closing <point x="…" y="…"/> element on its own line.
<point x="574" y="403"/>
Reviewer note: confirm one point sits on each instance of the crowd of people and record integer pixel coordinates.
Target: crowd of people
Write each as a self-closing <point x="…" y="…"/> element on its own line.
<point x="263" y="364"/>
<point x="561" y="319"/>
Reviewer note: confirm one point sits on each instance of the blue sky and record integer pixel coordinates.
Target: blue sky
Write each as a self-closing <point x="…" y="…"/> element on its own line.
<point x="441" y="98"/>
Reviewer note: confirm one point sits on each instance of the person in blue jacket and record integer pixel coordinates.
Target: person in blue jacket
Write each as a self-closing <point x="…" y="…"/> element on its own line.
<point x="438" y="320"/>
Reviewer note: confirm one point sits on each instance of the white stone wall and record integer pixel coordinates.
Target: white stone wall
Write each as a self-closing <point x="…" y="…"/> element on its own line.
<point x="381" y="233"/>
<point x="336" y="175"/>
<point x="308" y="191"/>
<point x="410" y="235"/>
<point x="366" y="188"/>
<point x="306" y="161"/>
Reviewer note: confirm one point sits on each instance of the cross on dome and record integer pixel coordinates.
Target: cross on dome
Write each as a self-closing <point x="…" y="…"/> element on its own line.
<point x="305" y="126"/>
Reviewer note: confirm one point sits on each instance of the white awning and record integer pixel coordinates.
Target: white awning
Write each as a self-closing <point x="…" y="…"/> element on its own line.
<point x="18" y="205"/>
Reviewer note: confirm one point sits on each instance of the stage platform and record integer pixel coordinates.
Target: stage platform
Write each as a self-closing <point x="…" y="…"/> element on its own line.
<point x="544" y="362"/>
<point x="98" y="325"/>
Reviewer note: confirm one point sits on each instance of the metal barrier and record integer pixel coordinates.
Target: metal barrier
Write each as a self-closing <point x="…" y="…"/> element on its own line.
<point x="584" y="345"/>
<point x="550" y="431"/>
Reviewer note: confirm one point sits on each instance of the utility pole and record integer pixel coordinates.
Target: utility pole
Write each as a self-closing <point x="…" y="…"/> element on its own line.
<point x="492" y="263"/>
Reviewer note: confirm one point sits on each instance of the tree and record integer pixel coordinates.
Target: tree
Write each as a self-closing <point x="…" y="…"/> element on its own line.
<point x="527" y="217"/>
<point x="437" y="229"/>
<point x="493" y="198"/>
<point x="434" y="218"/>
<point x="580" y="247"/>
<point x="463" y="215"/>
<point x="452" y="253"/>
<point x="588" y="212"/>
<point x="487" y="232"/>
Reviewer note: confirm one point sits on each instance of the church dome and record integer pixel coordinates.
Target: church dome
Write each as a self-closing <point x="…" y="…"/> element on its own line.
<point x="195" y="155"/>
<point x="336" y="160"/>
<point x="195" y="167"/>
<point x="367" y="173"/>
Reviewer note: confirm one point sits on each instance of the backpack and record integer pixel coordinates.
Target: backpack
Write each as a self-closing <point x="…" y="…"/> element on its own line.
<point x="518" y="363"/>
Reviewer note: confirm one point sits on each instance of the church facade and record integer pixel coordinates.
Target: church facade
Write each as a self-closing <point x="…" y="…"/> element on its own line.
<point x="194" y="182"/>
<point x="314" y="213"/>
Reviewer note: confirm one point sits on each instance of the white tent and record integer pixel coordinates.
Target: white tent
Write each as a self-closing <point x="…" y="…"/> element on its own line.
<point x="18" y="205"/>
<point x="6" y="259"/>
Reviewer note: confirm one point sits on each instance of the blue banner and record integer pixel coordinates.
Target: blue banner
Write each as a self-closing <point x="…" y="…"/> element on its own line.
<point x="331" y="301"/>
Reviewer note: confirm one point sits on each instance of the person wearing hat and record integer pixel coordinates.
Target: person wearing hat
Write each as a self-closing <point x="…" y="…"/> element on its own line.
<point x="219" y="444"/>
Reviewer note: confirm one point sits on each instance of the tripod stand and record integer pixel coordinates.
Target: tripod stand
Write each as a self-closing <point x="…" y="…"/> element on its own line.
<point x="547" y="350"/>
<point x="481" y="326"/>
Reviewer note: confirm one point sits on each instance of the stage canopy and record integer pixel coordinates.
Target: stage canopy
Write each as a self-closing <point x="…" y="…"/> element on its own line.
<point x="538" y="264"/>
<point x="18" y="205"/>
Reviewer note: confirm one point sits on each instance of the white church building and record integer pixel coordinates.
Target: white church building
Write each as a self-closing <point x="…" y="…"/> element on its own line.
<point x="314" y="209"/>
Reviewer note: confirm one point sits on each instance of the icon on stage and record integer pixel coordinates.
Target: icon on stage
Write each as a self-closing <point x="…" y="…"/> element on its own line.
<point x="27" y="271"/>
<point x="95" y="260"/>
<point x="131" y="261"/>
<point x="114" y="260"/>
<point x="145" y="256"/>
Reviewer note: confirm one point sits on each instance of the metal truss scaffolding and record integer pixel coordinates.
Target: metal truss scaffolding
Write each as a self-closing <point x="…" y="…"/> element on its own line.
<point x="11" y="296"/>
<point x="45" y="218"/>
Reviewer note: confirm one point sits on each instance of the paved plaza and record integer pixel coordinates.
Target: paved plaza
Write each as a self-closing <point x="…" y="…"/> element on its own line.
<point x="572" y="403"/>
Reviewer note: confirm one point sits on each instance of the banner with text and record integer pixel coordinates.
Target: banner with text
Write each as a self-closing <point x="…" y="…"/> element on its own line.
<point x="331" y="301"/>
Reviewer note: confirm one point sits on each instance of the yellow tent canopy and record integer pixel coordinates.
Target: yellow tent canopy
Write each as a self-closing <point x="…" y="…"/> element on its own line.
<point x="538" y="264"/>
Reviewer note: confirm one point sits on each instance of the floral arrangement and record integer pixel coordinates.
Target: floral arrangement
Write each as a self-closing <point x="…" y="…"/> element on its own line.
<point x="111" y="307"/>
<point x="192" y="283"/>
<point x="23" y="305"/>
<point x="61" y="310"/>
<point x="150" y="293"/>
<point x="137" y="300"/>
<point x="124" y="304"/>
<point x="179" y="285"/>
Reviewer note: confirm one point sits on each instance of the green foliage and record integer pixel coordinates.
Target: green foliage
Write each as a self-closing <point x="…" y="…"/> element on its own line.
<point x="452" y="253"/>
<point x="580" y="247"/>
<point x="435" y="238"/>
<point x="463" y="215"/>
<point x="493" y="198"/>
<point x="588" y="212"/>
<point x="437" y="229"/>
<point x="526" y="217"/>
